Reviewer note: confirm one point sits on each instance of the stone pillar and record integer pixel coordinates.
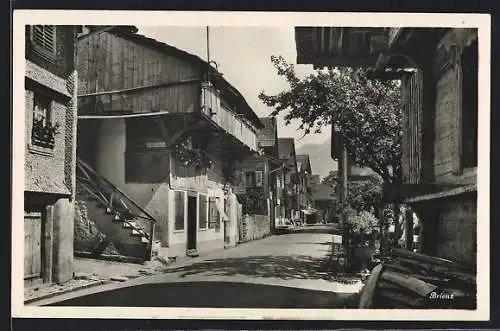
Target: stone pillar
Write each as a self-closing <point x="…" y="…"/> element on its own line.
<point x="62" y="251"/>
<point x="48" y="242"/>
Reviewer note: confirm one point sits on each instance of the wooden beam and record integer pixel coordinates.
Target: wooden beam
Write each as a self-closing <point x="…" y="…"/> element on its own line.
<point x="141" y="88"/>
<point x="145" y="114"/>
<point x="421" y="192"/>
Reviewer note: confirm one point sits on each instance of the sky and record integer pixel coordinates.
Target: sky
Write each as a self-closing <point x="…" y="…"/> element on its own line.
<point x="243" y="55"/>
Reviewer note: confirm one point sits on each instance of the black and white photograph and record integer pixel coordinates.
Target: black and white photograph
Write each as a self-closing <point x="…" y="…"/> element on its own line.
<point x="251" y="165"/>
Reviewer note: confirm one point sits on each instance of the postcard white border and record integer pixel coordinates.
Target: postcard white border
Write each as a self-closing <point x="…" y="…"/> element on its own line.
<point x="179" y="18"/>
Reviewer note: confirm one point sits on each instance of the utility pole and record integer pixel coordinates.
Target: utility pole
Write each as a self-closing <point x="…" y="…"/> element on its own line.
<point x="339" y="152"/>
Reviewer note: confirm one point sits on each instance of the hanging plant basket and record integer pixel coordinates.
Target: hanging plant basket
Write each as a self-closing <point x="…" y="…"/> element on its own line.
<point x="195" y="157"/>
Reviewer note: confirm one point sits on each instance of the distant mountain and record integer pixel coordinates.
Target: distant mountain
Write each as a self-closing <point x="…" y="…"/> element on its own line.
<point x="319" y="155"/>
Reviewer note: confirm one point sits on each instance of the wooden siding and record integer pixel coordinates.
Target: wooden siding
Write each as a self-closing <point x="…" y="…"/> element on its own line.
<point x="32" y="245"/>
<point x="227" y="119"/>
<point x="107" y="62"/>
<point x="446" y="126"/>
<point x="412" y="128"/>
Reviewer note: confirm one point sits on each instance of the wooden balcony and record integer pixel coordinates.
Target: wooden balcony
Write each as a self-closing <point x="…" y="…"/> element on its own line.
<point x="229" y="121"/>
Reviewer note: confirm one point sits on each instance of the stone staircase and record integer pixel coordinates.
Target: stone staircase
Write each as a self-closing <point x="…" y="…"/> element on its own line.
<point x="120" y="220"/>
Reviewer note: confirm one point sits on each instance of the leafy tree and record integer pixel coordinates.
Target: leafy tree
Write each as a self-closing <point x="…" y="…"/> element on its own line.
<point x="367" y="111"/>
<point x="362" y="193"/>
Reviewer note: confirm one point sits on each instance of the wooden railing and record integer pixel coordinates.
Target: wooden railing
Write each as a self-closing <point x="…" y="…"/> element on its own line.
<point x="227" y="119"/>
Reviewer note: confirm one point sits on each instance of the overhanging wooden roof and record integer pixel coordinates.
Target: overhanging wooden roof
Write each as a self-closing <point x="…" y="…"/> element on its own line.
<point x="338" y="46"/>
<point x="228" y="91"/>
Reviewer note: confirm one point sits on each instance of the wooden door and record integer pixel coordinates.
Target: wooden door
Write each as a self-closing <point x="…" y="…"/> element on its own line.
<point x="32" y="245"/>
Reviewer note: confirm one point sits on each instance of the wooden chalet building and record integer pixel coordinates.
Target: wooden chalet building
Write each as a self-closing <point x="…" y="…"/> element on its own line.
<point x="160" y="134"/>
<point x="439" y="75"/>
<point x="50" y="142"/>
<point x="304" y="192"/>
<point x="290" y="206"/>
<point x="256" y="185"/>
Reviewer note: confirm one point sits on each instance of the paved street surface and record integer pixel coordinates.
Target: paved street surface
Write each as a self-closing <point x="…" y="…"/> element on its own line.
<point x="285" y="271"/>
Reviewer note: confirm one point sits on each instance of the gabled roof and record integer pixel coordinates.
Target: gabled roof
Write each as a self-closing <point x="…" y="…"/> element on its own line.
<point x="286" y="148"/>
<point x="267" y="135"/>
<point x="303" y="163"/>
<point x="228" y="91"/>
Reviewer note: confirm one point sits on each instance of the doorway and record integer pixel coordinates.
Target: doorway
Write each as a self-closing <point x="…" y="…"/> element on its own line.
<point x="191" y="223"/>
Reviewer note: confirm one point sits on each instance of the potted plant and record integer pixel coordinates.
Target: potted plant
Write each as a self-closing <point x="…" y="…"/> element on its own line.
<point x="363" y="225"/>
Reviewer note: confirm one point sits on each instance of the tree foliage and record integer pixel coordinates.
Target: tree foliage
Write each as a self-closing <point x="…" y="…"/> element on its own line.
<point x="362" y="194"/>
<point x="367" y="111"/>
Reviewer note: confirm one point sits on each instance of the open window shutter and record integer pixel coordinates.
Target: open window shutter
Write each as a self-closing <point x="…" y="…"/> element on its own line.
<point x="259" y="178"/>
<point x="179" y="210"/>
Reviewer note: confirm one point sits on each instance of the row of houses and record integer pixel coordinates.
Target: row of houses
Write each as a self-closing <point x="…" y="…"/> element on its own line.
<point x="136" y="148"/>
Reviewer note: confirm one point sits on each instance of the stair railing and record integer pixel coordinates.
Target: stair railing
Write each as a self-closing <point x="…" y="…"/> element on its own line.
<point x="112" y="197"/>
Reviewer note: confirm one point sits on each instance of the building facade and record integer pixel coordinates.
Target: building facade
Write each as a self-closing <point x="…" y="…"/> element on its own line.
<point x="290" y="176"/>
<point x="439" y="75"/>
<point x="166" y="129"/>
<point x="50" y="144"/>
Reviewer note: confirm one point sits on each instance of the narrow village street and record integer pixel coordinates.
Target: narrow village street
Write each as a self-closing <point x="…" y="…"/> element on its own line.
<point x="286" y="271"/>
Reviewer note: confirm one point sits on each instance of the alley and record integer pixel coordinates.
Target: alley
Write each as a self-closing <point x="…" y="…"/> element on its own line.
<point x="286" y="271"/>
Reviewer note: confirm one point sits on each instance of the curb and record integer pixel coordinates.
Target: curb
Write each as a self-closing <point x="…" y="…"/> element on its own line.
<point x="74" y="289"/>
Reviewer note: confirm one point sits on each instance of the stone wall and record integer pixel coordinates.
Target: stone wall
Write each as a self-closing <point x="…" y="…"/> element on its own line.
<point x="254" y="227"/>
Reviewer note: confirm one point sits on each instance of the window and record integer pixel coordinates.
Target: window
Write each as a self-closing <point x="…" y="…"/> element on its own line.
<point x="469" y="62"/>
<point x="179" y="210"/>
<point x="202" y="211"/>
<point x="259" y="178"/>
<point x="43" y="131"/>
<point x="250" y="179"/>
<point x="43" y="39"/>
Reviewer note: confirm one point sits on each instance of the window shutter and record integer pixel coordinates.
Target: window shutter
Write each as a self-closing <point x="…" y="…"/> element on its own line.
<point x="259" y="178"/>
<point x="243" y="180"/>
<point x="45" y="37"/>
<point x="179" y="210"/>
